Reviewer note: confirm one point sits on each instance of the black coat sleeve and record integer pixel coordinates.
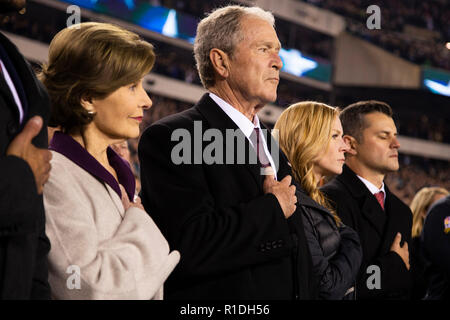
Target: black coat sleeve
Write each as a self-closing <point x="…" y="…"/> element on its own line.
<point x="18" y="195"/>
<point x="337" y="274"/>
<point x="212" y="238"/>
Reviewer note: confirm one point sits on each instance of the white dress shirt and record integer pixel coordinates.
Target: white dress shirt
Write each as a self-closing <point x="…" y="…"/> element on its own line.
<point x="245" y="125"/>
<point x="372" y="188"/>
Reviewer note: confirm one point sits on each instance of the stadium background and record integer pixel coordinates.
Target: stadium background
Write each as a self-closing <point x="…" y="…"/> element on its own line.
<point x="329" y="54"/>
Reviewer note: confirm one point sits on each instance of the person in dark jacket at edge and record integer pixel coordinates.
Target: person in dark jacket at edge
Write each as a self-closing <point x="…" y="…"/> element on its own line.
<point x="24" y="169"/>
<point x="310" y="134"/>
<point x="364" y="203"/>
<point x="436" y="250"/>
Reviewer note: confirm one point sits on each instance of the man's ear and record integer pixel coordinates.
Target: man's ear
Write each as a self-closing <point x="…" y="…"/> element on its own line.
<point x="351" y="143"/>
<point x="220" y="62"/>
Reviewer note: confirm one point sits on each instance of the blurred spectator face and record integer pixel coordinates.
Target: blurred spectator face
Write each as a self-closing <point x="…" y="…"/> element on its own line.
<point x="332" y="160"/>
<point x="11" y="5"/>
<point x="119" y="114"/>
<point x="122" y="150"/>
<point x="437" y="197"/>
<point x="255" y="64"/>
<point x="378" y="149"/>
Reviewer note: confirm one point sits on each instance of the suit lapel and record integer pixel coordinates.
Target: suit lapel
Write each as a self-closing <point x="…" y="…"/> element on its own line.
<point x="29" y="82"/>
<point x="393" y="221"/>
<point x="370" y="208"/>
<point x="8" y="97"/>
<point x="218" y="119"/>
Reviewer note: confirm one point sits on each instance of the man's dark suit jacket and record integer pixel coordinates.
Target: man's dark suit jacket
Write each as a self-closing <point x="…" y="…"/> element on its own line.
<point x="360" y="210"/>
<point x="23" y="243"/>
<point x="234" y="240"/>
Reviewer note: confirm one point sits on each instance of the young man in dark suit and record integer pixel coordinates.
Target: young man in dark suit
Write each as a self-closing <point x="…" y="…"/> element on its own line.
<point x="365" y="203"/>
<point x="237" y="230"/>
<point x="24" y="169"/>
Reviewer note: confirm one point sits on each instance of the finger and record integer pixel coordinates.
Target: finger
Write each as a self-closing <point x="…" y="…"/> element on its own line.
<point x="125" y="200"/>
<point x="287" y="180"/>
<point x="269" y="179"/>
<point x="292" y="189"/>
<point x="31" y="129"/>
<point x="47" y="155"/>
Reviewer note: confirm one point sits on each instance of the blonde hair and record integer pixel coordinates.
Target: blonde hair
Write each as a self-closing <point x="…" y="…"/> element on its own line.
<point x="420" y="205"/>
<point x="304" y="132"/>
<point x="91" y="61"/>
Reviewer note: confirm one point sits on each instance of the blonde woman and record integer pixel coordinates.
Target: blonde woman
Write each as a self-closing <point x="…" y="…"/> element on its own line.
<point x="420" y="204"/>
<point x="310" y="134"/>
<point x="103" y="243"/>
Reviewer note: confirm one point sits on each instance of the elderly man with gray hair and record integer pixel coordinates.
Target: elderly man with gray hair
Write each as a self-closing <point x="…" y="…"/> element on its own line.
<point x="230" y="211"/>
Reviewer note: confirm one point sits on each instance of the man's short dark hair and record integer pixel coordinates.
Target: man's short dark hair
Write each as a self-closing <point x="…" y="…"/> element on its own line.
<point x="353" y="116"/>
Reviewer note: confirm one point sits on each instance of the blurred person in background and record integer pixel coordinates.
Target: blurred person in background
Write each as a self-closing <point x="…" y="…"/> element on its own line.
<point x="24" y="170"/>
<point x="122" y="150"/>
<point x="420" y="205"/>
<point x="436" y="250"/>
<point x="366" y="204"/>
<point x="95" y="222"/>
<point x="310" y="134"/>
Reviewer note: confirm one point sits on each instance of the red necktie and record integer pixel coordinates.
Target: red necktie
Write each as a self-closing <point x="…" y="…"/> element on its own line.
<point x="380" y="198"/>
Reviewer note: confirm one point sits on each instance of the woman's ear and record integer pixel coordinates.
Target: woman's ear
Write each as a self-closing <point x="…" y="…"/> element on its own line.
<point x="87" y="104"/>
<point x="220" y="62"/>
<point x="351" y="143"/>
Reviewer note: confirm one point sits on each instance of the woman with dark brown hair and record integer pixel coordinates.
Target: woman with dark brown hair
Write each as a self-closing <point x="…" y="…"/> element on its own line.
<point x="104" y="244"/>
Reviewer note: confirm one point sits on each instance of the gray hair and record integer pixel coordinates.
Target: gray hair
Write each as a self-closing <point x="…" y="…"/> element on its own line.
<point x="221" y="30"/>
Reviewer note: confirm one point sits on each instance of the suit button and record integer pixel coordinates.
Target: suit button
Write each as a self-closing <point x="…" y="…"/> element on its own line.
<point x="268" y="246"/>
<point x="262" y="248"/>
<point x="274" y="245"/>
<point x="11" y="128"/>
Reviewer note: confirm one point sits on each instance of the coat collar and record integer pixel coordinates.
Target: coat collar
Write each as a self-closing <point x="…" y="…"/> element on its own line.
<point x="67" y="146"/>
<point x="35" y="93"/>
<point x="369" y="205"/>
<point x="305" y="200"/>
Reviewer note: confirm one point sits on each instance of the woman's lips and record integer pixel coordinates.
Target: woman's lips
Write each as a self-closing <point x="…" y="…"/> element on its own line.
<point x="137" y="118"/>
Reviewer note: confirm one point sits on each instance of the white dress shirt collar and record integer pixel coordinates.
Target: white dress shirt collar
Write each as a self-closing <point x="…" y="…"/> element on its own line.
<point x="245" y="125"/>
<point x="372" y="188"/>
<point x="238" y="118"/>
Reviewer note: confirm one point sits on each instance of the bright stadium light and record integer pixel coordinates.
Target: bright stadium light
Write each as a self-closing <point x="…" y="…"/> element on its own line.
<point x="170" y="28"/>
<point x="448" y="45"/>
<point x="295" y="63"/>
<point x="437" y="87"/>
